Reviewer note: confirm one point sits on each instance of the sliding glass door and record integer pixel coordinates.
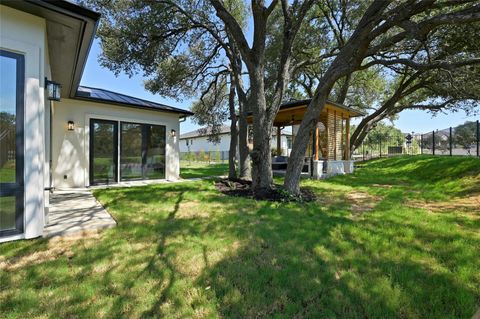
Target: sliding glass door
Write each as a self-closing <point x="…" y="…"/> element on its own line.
<point x="142" y="151"/>
<point x="12" y="79"/>
<point x="103" y="151"/>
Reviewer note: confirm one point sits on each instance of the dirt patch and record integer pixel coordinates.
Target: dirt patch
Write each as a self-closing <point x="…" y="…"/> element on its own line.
<point x="470" y="204"/>
<point x="242" y="188"/>
<point x="361" y="202"/>
<point x="57" y="247"/>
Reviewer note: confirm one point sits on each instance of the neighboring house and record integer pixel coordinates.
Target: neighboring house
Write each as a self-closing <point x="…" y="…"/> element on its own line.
<point x="77" y="138"/>
<point x="197" y="141"/>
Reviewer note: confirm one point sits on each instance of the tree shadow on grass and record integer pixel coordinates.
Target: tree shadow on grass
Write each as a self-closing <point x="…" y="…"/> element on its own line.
<point x="326" y="266"/>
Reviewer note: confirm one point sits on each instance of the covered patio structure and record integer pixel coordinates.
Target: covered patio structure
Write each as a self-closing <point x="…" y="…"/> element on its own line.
<point x="327" y="153"/>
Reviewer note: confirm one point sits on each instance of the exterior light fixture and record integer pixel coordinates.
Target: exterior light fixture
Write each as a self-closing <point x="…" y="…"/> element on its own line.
<point x="173" y="133"/>
<point x="53" y="90"/>
<point x="70" y="125"/>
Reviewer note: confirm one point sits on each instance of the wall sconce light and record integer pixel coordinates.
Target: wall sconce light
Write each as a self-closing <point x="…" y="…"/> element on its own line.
<point x="173" y="133"/>
<point x="71" y="125"/>
<point x="53" y="90"/>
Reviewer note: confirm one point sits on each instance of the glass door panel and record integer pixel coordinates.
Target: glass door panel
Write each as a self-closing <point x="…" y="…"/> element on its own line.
<point x="155" y="152"/>
<point x="12" y="77"/>
<point x="103" y="151"/>
<point x="131" y="151"/>
<point x="142" y="151"/>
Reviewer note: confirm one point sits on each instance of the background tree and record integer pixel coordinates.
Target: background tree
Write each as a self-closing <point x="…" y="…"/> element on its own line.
<point x="465" y="134"/>
<point x="182" y="51"/>
<point x="384" y="27"/>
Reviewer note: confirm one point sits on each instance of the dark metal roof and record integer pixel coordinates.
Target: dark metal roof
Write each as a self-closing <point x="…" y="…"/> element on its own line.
<point x="295" y="103"/>
<point x="109" y="97"/>
<point x="224" y="129"/>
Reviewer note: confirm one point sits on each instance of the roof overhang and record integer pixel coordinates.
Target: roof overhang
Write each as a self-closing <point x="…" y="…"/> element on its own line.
<point x="292" y="113"/>
<point x="70" y="33"/>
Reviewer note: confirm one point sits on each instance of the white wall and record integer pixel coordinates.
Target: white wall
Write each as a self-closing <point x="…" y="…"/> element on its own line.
<point x="71" y="148"/>
<point x="25" y="34"/>
<point x="202" y="144"/>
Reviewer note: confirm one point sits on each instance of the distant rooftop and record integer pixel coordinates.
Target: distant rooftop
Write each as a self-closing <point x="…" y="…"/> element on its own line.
<point x="105" y="96"/>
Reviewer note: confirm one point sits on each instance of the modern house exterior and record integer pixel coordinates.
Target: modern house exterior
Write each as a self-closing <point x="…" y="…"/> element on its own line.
<point x="197" y="141"/>
<point x="55" y="137"/>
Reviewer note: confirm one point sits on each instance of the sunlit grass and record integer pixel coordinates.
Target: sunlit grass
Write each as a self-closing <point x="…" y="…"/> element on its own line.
<point x="398" y="239"/>
<point x="201" y="169"/>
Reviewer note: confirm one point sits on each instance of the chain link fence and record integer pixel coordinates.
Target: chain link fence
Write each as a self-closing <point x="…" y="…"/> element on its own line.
<point x="209" y="157"/>
<point x="462" y="140"/>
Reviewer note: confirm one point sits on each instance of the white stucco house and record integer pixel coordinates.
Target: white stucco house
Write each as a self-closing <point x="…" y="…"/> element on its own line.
<point x="77" y="138"/>
<point x="197" y="141"/>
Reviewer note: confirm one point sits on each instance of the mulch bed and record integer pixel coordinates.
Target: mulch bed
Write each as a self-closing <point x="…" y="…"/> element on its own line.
<point x="243" y="188"/>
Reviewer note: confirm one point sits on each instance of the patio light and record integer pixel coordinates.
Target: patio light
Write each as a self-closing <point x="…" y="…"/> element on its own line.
<point x="53" y="90"/>
<point x="173" y="133"/>
<point x="70" y="125"/>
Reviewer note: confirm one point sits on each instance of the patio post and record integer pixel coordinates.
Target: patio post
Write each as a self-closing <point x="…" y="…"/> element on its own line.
<point x="279" y="144"/>
<point x="335" y="135"/>
<point x="316" y="142"/>
<point x="347" y="142"/>
<point x="327" y="127"/>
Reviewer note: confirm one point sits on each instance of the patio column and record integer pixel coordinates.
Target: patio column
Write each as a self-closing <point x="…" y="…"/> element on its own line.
<point x="347" y="142"/>
<point x="335" y="135"/>
<point x="279" y="144"/>
<point x="327" y="127"/>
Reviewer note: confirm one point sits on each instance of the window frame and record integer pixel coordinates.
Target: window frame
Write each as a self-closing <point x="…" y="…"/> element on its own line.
<point x="17" y="188"/>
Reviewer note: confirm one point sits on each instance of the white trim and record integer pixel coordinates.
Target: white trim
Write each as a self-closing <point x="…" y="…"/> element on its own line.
<point x="118" y="119"/>
<point x="14" y="237"/>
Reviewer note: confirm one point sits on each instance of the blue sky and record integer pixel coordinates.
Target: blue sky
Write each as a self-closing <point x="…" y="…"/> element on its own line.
<point x="96" y="76"/>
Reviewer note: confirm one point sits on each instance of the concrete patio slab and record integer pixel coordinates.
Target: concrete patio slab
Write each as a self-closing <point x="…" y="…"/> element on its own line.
<point x="73" y="211"/>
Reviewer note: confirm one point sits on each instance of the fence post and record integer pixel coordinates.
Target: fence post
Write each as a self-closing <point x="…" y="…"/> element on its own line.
<point x="478" y="138"/>
<point x="433" y="142"/>
<point x="421" y="144"/>
<point x="363" y="147"/>
<point x="451" y="141"/>
<point x="380" y="147"/>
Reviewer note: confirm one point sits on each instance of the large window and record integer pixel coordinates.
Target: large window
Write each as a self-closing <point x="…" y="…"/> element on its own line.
<point x="12" y="78"/>
<point x="142" y="151"/>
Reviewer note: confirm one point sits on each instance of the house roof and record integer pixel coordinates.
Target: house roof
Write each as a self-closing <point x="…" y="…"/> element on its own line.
<point x="225" y="129"/>
<point x="106" y="96"/>
<point x="70" y="33"/>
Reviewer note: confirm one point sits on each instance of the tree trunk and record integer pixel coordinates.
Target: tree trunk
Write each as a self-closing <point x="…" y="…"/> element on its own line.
<point x="262" y="180"/>
<point x="297" y="155"/>
<point x="232" y="171"/>
<point x="244" y="160"/>
<point x="342" y="96"/>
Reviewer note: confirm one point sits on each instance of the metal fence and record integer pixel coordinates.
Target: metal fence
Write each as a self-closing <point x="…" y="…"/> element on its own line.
<point x="462" y="140"/>
<point x="205" y="156"/>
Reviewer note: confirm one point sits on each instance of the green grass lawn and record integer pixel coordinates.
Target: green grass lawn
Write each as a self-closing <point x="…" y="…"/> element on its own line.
<point x="397" y="239"/>
<point x="199" y="169"/>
